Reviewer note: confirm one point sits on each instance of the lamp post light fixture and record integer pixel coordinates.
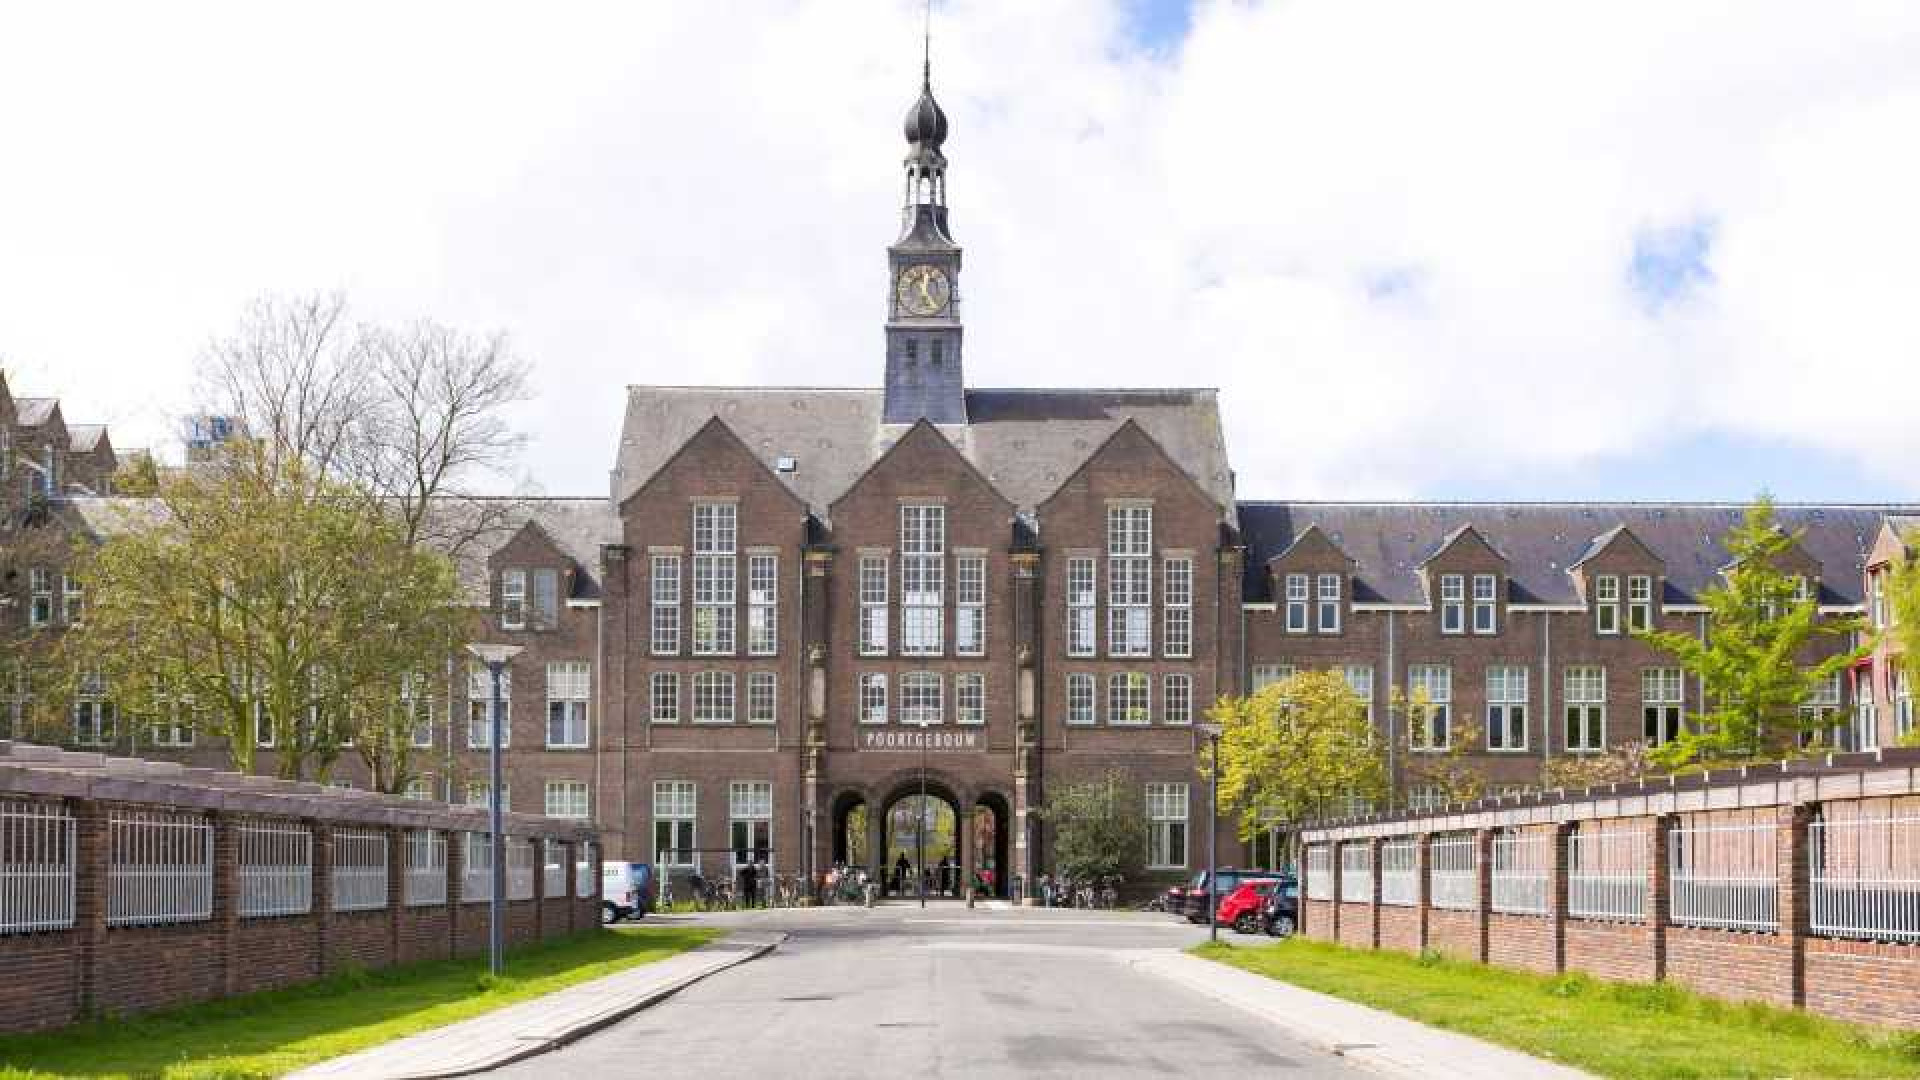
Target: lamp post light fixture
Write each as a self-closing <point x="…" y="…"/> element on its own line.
<point x="495" y="657"/>
<point x="1213" y="733"/>
<point x="920" y="830"/>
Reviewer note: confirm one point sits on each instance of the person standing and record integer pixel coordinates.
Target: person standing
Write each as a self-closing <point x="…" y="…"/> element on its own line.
<point x="749" y="884"/>
<point x="901" y="868"/>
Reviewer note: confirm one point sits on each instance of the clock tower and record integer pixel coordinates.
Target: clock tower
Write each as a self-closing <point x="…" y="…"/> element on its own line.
<point x="923" y="294"/>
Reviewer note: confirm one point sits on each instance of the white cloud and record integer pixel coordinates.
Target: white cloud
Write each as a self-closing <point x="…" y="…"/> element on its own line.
<point x="1396" y="235"/>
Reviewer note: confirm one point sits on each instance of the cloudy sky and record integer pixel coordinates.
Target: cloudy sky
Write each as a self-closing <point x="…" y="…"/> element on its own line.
<point x="1462" y="250"/>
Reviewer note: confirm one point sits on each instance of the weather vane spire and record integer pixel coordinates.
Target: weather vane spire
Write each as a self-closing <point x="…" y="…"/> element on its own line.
<point x="926" y="47"/>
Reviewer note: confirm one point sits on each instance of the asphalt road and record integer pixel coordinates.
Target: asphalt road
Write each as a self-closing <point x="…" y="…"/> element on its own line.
<point x="895" y="992"/>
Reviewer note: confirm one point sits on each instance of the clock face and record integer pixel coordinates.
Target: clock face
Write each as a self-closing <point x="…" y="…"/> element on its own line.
<point x="923" y="290"/>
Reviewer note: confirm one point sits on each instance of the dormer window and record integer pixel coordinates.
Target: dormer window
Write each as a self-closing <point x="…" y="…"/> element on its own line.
<point x="546" y="598"/>
<point x="1297" y="603"/>
<point x="1453" y="603"/>
<point x="1486" y="619"/>
<point x="1877" y="597"/>
<point x="513" y="599"/>
<point x="1606" y="604"/>
<point x="1639" y="603"/>
<point x="1327" y="615"/>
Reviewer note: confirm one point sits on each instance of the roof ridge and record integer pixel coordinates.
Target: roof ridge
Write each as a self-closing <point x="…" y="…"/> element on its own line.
<point x="1702" y="504"/>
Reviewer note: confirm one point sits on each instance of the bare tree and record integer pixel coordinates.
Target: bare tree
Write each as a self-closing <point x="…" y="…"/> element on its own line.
<point x="290" y="375"/>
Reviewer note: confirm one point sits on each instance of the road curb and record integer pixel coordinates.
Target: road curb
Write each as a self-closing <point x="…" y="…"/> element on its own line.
<point x="746" y="946"/>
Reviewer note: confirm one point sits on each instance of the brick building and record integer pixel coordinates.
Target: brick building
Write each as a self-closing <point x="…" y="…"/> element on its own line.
<point x="791" y="598"/>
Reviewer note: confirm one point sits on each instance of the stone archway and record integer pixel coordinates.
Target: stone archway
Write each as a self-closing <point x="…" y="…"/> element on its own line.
<point x="990" y="843"/>
<point x="922" y="841"/>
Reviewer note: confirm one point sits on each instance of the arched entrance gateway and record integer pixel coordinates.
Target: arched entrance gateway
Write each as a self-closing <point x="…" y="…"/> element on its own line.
<point x="946" y="842"/>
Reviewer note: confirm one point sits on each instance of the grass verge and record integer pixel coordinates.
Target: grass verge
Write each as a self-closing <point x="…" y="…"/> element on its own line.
<point x="272" y="1033"/>
<point x="1636" y="1030"/>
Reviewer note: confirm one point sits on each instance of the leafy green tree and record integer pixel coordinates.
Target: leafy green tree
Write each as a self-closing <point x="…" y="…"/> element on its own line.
<point x="263" y="604"/>
<point x="1294" y="750"/>
<point x="1903" y="622"/>
<point x="1759" y="661"/>
<point x="1443" y="765"/>
<point x="1099" y="829"/>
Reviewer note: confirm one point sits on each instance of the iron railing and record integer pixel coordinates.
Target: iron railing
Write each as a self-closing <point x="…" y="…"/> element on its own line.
<point x="1607" y="873"/>
<point x="1725" y="876"/>
<point x="359" y="870"/>
<point x="1522" y="872"/>
<point x="1400" y="872"/>
<point x="1865" y="878"/>
<point x="426" y="872"/>
<point x="36" y="867"/>
<point x="160" y="868"/>
<point x="1319" y="872"/>
<point x="276" y="869"/>
<point x="1356" y="872"/>
<point x="1453" y="872"/>
<point x="583" y="883"/>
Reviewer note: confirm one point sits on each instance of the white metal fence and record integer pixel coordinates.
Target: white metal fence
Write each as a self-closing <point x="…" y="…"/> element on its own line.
<point x="359" y="870"/>
<point x="1865" y="878"/>
<point x="1356" y="872"/>
<point x="160" y="868"/>
<point x="276" y="869"/>
<point x="476" y="879"/>
<point x="1319" y="872"/>
<point x="1725" y="876"/>
<point x="1453" y="872"/>
<point x="584" y="884"/>
<point x="36" y="867"/>
<point x="1607" y="872"/>
<point x="553" y="872"/>
<point x="1400" y="872"/>
<point x="519" y="868"/>
<point x="426" y="874"/>
<point x="1522" y="871"/>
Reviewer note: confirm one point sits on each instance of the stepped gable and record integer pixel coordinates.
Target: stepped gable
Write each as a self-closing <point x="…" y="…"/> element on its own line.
<point x="1388" y="541"/>
<point x="1025" y="442"/>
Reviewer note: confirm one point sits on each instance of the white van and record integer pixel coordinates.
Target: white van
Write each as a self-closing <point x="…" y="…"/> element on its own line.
<point x="626" y="890"/>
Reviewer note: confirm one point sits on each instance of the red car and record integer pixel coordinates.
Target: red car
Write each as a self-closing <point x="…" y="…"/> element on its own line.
<point x="1241" y="908"/>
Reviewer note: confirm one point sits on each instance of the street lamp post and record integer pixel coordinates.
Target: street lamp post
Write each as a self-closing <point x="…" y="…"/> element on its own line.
<point x="1212" y="732"/>
<point x="495" y="657"/>
<point x="920" y="832"/>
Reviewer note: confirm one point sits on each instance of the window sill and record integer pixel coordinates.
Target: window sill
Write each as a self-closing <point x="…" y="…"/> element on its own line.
<point x="568" y="746"/>
<point x="1507" y="750"/>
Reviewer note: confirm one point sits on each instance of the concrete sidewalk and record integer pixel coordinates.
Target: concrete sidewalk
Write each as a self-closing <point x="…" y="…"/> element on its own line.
<point x="1377" y="1041"/>
<point x="531" y="1027"/>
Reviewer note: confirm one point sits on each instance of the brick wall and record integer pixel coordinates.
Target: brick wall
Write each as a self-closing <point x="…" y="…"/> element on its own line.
<point x="1400" y="928"/>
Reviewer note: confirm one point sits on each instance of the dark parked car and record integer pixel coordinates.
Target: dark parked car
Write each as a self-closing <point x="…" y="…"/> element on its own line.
<point x="1174" y="900"/>
<point x="1197" y="909"/>
<point x="1280" y="915"/>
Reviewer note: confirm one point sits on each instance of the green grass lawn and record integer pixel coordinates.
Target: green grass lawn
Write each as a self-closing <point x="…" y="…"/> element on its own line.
<point x="268" y="1034"/>
<point x="1613" y="1029"/>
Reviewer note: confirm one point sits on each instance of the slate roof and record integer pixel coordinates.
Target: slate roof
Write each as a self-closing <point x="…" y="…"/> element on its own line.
<point x="33" y="411"/>
<point x="1026" y="442"/>
<point x="85" y="438"/>
<point x="1388" y="541"/>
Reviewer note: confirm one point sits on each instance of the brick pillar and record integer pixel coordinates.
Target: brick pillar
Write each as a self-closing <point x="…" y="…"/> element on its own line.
<point x="540" y="888"/>
<point x="456" y="875"/>
<point x="1557" y="882"/>
<point x="396" y="890"/>
<point x="1029" y="782"/>
<point x="1334" y="903"/>
<point x="1791" y="842"/>
<point x="1423" y="889"/>
<point x="1659" y="888"/>
<point x="1373" y="895"/>
<point x="1482" y="891"/>
<point x="322" y="896"/>
<point x="226" y="897"/>
<point x="91" y="862"/>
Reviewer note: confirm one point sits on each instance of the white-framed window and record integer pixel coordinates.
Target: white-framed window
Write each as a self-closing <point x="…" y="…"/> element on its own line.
<point x="1425" y="798"/>
<point x="675" y="808"/>
<point x="569" y="687"/>
<point x="763" y="605"/>
<point x="1326" y="593"/>
<point x="1866" y="710"/>
<point x="1639" y="603"/>
<point x="1176" y="699"/>
<point x="1506" y="707"/>
<point x="1080" y="707"/>
<point x="663" y="584"/>
<point x="480" y="706"/>
<point x="73" y="600"/>
<point x="1877" y="597"/>
<point x="479" y="791"/>
<point x="39" y="596"/>
<point x="416" y="706"/>
<point x="17" y="702"/>
<point x="1586" y="696"/>
<point x="1662" y="693"/>
<point x="923" y="579"/>
<point x="970" y="698"/>
<point x="546" y="598"/>
<point x="762" y="695"/>
<point x="567" y="799"/>
<point x="1177" y="598"/>
<point x="1265" y="675"/>
<point x="713" y="697"/>
<point x="1430" y="727"/>
<point x="1360" y="680"/>
<point x="873" y="698"/>
<point x="513" y="599"/>
<point x="920" y="698"/>
<point x="873" y="605"/>
<point x="1130" y="581"/>
<point x="715" y="538"/>
<point x="1129" y="698"/>
<point x="1299" y="597"/>
<point x="664" y="697"/>
<point x="1902" y="705"/>
<point x="1606" y="604"/>
<point x="1820" y="713"/>
<point x="1166" y="826"/>
<point x="1486" y="603"/>
<point x="419" y="788"/>
<point x="1453" y="604"/>
<point x="1081" y="594"/>
<point x="750" y="822"/>
<point x="970" y="605"/>
<point x="173" y="721"/>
